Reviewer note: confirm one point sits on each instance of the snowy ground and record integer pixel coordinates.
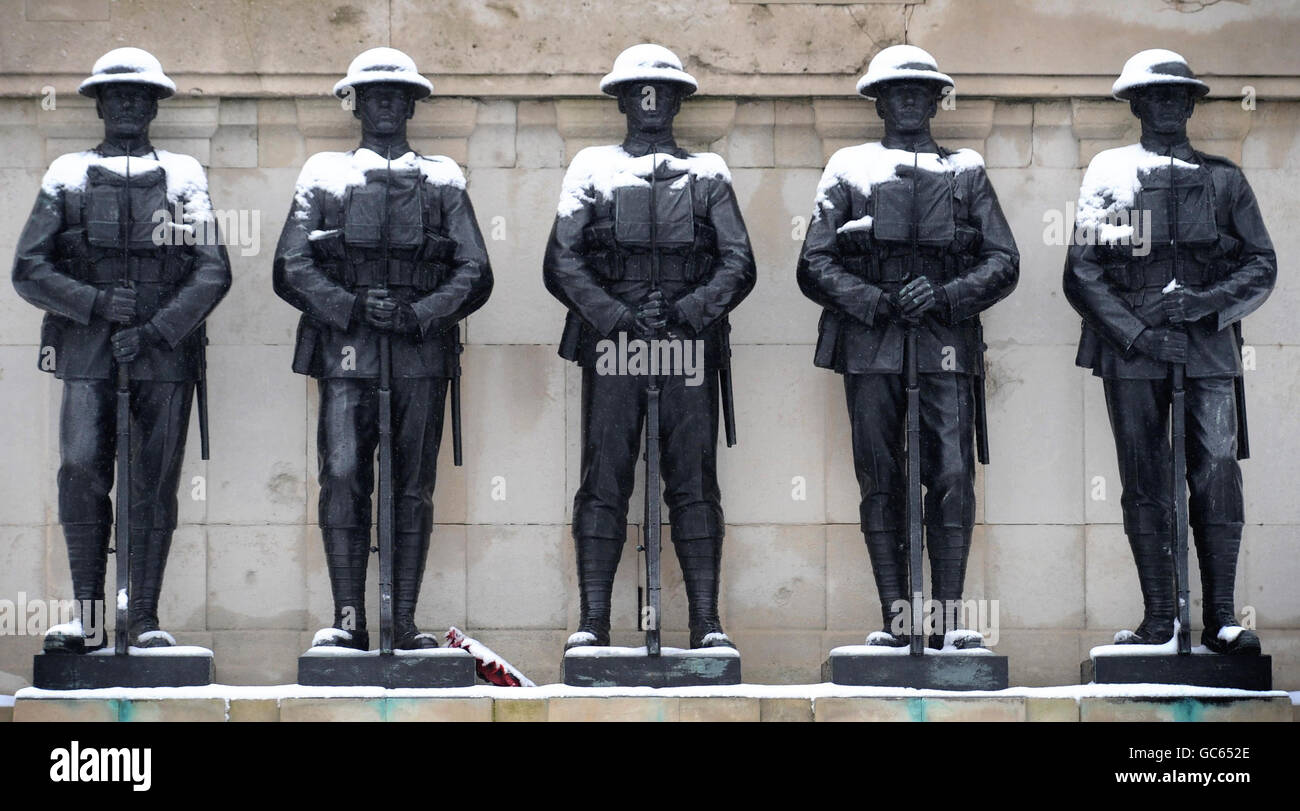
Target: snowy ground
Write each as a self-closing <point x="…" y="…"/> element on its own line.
<point x="808" y="691"/>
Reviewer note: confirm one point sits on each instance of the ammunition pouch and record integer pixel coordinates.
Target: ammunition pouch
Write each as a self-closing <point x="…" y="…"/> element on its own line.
<point x="1137" y="276"/>
<point x="614" y="262"/>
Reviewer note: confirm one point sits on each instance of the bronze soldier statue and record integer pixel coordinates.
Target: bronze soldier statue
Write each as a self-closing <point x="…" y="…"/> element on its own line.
<point x="906" y="247"/>
<point x="649" y="249"/>
<point x="121" y="252"/>
<point x="383" y="256"/>
<point x="1169" y="254"/>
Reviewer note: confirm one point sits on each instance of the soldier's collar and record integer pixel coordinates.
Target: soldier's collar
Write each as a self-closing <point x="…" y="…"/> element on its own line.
<point x="111" y="150"/>
<point x="637" y="146"/>
<point x="1182" y="151"/>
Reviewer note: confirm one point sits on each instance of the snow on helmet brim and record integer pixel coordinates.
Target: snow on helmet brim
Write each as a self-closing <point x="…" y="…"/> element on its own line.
<point x="647" y="62"/>
<point x="900" y="63"/>
<point x="870" y="86"/>
<point x="128" y="66"/>
<point x="610" y="84"/>
<point x="420" y="87"/>
<point x="384" y="65"/>
<point x="1155" y="66"/>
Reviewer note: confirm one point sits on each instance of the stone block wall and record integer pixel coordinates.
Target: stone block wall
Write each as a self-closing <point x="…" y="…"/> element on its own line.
<point x="247" y="575"/>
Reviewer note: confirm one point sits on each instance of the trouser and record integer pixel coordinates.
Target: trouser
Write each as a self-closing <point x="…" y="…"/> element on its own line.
<point x="1139" y="418"/>
<point x="160" y="412"/>
<point x="347" y="440"/>
<point x="613" y="416"/>
<point x="877" y="406"/>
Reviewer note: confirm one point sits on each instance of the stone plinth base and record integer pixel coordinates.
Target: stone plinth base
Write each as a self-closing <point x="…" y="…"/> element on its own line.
<point x="633" y="667"/>
<point x="342" y="667"/>
<point x="176" y="666"/>
<point x="1200" y="670"/>
<point x="935" y="670"/>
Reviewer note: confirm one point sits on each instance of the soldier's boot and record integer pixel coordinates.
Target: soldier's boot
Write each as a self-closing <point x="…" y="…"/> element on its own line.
<point x="1155" y="567"/>
<point x="88" y="560"/>
<point x="149" y="550"/>
<point x="949" y="550"/>
<point x="701" y="562"/>
<point x="347" y="552"/>
<point x="1217" y="550"/>
<point x="410" y="551"/>
<point x="597" y="564"/>
<point x="887" y="552"/>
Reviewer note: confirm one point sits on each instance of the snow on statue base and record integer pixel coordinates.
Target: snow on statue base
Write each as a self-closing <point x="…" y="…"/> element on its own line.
<point x="946" y="669"/>
<point x="1161" y="664"/>
<point x="633" y="667"/>
<point x="345" y="667"/>
<point x="177" y="666"/>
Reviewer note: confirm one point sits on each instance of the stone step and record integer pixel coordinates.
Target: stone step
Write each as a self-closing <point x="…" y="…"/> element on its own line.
<point x="747" y="703"/>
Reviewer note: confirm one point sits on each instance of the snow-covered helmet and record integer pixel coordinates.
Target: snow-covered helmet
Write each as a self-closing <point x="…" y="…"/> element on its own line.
<point x="128" y="66"/>
<point x="387" y="65"/>
<point x="899" y="62"/>
<point x="1156" y="66"/>
<point x="647" y="62"/>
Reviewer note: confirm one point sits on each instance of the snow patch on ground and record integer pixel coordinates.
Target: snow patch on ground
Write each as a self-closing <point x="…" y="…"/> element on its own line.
<point x="175" y="650"/>
<point x="335" y="650"/>
<point x="598" y="170"/>
<point x="885" y="650"/>
<point x="599" y="651"/>
<point x="866" y="166"/>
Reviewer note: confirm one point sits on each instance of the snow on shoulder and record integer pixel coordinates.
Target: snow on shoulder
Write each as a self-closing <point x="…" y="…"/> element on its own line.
<point x="1111" y="185"/>
<point x="186" y="179"/>
<point x="597" y="170"/>
<point x="868" y="165"/>
<point x="334" y="172"/>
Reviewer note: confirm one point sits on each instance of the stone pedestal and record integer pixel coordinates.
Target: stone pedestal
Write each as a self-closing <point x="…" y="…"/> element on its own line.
<point x="1200" y="670"/>
<point x="934" y="670"/>
<point x="343" y="667"/>
<point x="633" y="667"/>
<point x="177" y="666"/>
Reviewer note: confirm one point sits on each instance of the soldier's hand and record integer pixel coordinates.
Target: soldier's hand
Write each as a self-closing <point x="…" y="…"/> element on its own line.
<point x="1181" y="305"/>
<point x="380" y="309"/>
<point x="128" y="342"/>
<point x="1167" y="345"/>
<point x="650" y="317"/>
<point x="917" y="298"/>
<point x="891" y="306"/>
<point x="116" y="304"/>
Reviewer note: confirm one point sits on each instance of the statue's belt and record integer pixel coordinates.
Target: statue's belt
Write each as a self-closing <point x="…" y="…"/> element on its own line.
<point x="171" y="269"/>
<point x="422" y="276"/>
<point x="871" y="267"/>
<point x="1146" y="275"/>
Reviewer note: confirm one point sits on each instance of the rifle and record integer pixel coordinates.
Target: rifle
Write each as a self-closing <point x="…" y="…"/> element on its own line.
<point x="456" y="455"/>
<point x="1178" y="434"/>
<point x="122" y="532"/>
<point x="386" y="517"/>
<point x="652" y="529"/>
<point x="201" y="393"/>
<point x="914" y="453"/>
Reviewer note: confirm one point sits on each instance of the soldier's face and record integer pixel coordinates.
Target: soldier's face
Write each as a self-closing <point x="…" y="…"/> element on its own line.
<point x="383" y="108"/>
<point x="650" y="106"/>
<point x="1163" y="108"/>
<point x="127" y="110"/>
<point x="907" y="106"/>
